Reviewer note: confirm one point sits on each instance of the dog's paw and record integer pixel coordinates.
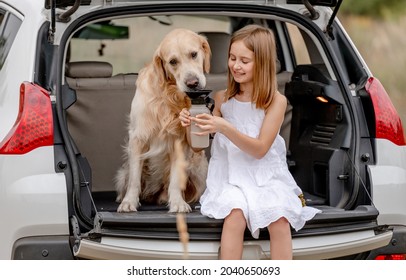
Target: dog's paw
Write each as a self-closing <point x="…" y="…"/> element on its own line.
<point x="180" y="207"/>
<point x="127" y="206"/>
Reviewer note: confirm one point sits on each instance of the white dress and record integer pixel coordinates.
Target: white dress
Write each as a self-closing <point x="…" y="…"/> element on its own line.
<point x="262" y="188"/>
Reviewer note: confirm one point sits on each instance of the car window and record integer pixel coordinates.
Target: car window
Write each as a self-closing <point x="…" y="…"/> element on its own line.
<point x="129" y="43"/>
<point x="300" y="51"/>
<point x="9" y="25"/>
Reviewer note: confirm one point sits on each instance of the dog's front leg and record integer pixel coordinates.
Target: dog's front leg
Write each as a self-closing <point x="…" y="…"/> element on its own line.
<point x="130" y="201"/>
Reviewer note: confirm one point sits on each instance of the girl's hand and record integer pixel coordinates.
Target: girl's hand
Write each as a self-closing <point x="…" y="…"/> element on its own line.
<point x="208" y="124"/>
<point x="184" y="117"/>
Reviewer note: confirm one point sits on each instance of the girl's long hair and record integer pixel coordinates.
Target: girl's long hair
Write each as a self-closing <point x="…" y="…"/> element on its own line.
<point x="261" y="41"/>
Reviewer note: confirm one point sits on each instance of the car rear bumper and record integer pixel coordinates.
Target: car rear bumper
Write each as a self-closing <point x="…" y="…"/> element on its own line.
<point x="309" y="247"/>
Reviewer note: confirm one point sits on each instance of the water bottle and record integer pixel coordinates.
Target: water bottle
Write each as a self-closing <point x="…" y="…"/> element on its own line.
<point x="198" y="141"/>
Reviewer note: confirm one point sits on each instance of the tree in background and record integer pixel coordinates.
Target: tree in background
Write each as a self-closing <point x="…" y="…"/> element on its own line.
<point x="385" y="9"/>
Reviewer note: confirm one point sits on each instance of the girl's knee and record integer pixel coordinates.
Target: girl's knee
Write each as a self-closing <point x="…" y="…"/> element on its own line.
<point x="236" y="219"/>
<point x="281" y="226"/>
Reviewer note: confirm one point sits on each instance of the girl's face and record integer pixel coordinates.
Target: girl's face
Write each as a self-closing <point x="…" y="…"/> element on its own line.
<point x="241" y="62"/>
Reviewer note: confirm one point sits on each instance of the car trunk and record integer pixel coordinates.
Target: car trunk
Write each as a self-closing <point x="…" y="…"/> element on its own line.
<point x="323" y="145"/>
<point x="320" y="159"/>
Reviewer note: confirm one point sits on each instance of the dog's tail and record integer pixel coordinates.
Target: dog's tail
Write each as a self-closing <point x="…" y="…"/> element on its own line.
<point x="151" y="153"/>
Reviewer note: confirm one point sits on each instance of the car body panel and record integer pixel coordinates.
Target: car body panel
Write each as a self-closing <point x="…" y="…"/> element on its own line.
<point x="389" y="182"/>
<point x="21" y="55"/>
<point x="34" y="195"/>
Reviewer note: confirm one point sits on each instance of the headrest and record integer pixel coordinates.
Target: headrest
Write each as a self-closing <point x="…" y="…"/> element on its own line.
<point x="219" y="42"/>
<point x="89" y="69"/>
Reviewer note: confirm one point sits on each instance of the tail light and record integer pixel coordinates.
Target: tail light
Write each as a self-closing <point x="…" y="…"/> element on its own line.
<point x="34" y="125"/>
<point x="388" y="124"/>
<point x="401" y="257"/>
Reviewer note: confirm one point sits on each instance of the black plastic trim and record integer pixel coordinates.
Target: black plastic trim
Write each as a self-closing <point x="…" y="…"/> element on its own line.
<point x="44" y="58"/>
<point x="42" y="248"/>
<point x="65" y="3"/>
<point x="328" y="3"/>
<point x="396" y="246"/>
<point x="162" y="225"/>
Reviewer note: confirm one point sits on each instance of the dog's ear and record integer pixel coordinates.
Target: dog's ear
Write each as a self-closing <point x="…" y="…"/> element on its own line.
<point x="207" y="54"/>
<point x="159" y="68"/>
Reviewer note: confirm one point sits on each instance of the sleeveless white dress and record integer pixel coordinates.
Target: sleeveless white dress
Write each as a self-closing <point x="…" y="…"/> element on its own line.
<point x="262" y="188"/>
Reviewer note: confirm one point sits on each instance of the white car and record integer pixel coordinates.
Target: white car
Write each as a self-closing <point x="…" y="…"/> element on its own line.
<point x="67" y="78"/>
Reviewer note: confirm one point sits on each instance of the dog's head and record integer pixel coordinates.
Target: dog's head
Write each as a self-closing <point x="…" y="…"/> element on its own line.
<point x="182" y="58"/>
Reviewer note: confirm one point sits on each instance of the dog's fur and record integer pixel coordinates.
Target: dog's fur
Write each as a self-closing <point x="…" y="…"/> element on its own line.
<point x="153" y="169"/>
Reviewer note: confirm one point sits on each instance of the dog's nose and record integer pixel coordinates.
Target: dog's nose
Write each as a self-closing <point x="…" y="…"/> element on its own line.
<point x="192" y="83"/>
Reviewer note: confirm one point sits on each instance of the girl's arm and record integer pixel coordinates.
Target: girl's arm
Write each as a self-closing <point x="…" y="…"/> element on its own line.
<point x="218" y="101"/>
<point x="256" y="147"/>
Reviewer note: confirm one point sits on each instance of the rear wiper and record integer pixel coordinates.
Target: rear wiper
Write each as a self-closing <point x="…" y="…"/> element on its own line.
<point x="313" y="13"/>
<point x="65" y="17"/>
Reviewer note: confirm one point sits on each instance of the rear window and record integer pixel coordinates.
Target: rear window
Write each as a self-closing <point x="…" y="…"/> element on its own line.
<point x="301" y="53"/>
<point x="129" y="43"/>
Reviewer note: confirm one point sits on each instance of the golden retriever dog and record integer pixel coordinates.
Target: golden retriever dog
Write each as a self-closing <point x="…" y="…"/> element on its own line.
<point x="154" y="169"/>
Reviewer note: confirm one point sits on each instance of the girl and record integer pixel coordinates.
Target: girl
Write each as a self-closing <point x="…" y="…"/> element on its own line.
<point x="248" y="182"/>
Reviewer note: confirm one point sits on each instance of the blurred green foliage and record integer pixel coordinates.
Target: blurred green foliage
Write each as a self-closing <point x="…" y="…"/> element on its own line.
<point x="385" y="9"/>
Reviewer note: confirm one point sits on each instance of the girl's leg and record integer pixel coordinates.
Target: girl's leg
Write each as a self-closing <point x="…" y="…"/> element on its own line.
<point x="232" y="237"/>
<point x="281" y="240"/>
